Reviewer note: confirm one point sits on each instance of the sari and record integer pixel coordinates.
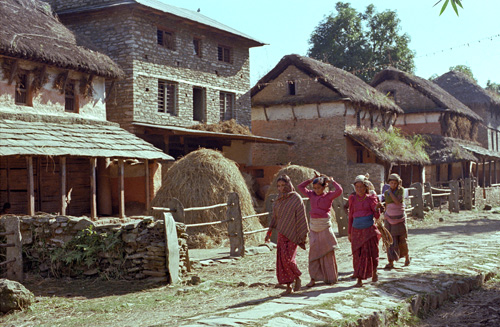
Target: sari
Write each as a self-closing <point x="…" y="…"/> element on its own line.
<point x="395" y="223"/>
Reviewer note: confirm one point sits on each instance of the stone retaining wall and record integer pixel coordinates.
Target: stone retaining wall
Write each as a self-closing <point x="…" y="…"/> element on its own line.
<point x="70" y="246"/>
<point x="492" y="197"/>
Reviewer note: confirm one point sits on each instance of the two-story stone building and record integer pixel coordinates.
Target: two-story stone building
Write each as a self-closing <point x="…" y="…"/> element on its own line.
<point x="182" y="68"/>
<point x="58" y="153"/>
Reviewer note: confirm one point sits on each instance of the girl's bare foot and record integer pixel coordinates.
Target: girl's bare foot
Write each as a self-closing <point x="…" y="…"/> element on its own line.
<point x="311" y="283"/>
<point x="288" y="290"/>
<point x="374" y="277"/>
<point x="359" y="283"/>
<point x="407" y="261"/>
<point x="298" y="285"/>
<point x="390" y="265"/>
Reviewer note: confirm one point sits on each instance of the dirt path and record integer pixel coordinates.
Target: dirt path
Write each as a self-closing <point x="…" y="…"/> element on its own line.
<point x="223" y="285"/>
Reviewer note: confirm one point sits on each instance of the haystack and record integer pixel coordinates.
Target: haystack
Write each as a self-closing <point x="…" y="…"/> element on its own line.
<point x="202" y="178"/>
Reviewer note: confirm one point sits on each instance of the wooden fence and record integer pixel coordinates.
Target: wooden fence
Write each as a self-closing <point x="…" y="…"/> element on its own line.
<point x="13" y="256"/>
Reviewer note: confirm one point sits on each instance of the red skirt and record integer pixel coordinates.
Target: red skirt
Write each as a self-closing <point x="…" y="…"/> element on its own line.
<point x="286" y="266"/>
<point x="365" y="254"/>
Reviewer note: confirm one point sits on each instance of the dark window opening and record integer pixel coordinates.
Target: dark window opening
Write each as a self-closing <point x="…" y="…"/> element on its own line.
<point x="358" y="119"/>
<point x="226" y="106"/>
<point x="167" y="97"/>
<point x="224" y="53"/>
<point x="198" y="104"/>
<point x="166" y="39"/>
<point x="197" y="47"/>
<point x="22" y="89"/>
<point x="291" y="88"/>
<point x="359" y="156"/>
<point x="69" y="97"/>
<point x="371" y="121"/>
<point x="438" y="173"/>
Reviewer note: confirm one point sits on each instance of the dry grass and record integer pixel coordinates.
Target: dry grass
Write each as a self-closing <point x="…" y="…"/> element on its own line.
<point x="227" y="126"/>
<point x="202" y="178"/>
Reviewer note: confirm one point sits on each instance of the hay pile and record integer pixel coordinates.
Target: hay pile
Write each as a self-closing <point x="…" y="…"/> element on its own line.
<point x="202" y="178"/>
<point x="226" y="126"/>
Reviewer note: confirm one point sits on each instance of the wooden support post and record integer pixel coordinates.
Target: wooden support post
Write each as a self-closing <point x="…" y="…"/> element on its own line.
<point x="453" y="197"/>
<point x="468" y="189"/>
<point x="484" y="174"/>
<point x="417" y="202"/>
<point x="495" y="171"/>
<point x="8" y="179"/>
<point x="429" y="201"/>
<point x="411" y="174"/>
<point x="93" y="189"/>
<point x="31" y="187"/>
<point x="489" y="173"/>
<point x="15" y="253"/>
<point x="62" y="174"/>
<point x="177" y="211"/>
<point x="269" y="208"/>
<point x="121" y="188"/>
<point x="171" y="248"/>
<point x="477" y="173"/>
<point x="235" y="226"/>
<point x="340" y="215"/>
<point x="147" y="183"/>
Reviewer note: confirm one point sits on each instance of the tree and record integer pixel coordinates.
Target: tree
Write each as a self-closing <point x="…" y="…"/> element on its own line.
<point x="362" y="43"/>
<point x="454" y="4"/>
<point x="464" y="69"/>
<point x="493" y="87"/>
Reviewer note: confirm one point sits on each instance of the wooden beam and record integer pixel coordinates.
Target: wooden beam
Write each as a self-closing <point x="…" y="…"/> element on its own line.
<point x="121" y="188"/>
<point x="65" y="81"/>
<point x="489" y="173"/>
<point x="13" y="71"/>
<point x="62" y="173"/>
<point x="93" y="188"/>
<point x="31" y="189"/>
<point x="411" y="175"/>
<point x="109" y="91"/>
<point x="148" y="194"/>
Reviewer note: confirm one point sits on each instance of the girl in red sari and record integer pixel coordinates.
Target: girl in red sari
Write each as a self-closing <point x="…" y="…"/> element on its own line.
<point x="363" y="234"/>
<point x="289" y="219"/>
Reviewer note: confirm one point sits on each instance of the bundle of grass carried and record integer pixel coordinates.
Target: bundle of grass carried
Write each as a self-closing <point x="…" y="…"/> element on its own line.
<point x="297" y="174"/>
<point x="203" y="178"/>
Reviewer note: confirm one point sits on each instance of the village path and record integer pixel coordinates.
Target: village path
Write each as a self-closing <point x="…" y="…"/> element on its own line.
<point x="448" y="260"/>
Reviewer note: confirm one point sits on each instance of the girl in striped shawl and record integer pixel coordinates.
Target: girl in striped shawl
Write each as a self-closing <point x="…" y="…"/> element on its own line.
<point x="289" y="219"/>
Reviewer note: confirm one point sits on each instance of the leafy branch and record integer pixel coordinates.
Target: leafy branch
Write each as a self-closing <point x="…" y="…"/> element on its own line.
<point x="454" y="4"/>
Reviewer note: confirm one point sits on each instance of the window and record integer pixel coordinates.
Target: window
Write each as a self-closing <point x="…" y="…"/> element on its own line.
<point x="359" y="155"/>
<point x="224" y="53"/>
<point x="70" y="103"/>
<point x="358" y="118"/>
<point x="291" y="88"/>
<point x="198" y="104"/>
<point x="22" y="93"/>
<point x="166" y="39"/>
<point x="226" y="106"/>
<point x="197" y="47"/>
<point x="167" y="97"/>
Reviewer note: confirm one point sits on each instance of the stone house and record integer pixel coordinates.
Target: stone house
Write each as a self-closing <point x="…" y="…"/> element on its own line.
<point x="446" y="123"/>
<point x="312" y="104"/>
<point x="58" y="153"/>
<point x="181" y="69"/>
<point x="487" y="105"/>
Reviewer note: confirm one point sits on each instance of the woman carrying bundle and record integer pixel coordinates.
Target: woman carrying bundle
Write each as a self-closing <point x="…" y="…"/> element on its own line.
<point x="322" y="241"/>
<point x="363" y="234"/>
<point x="395" y="221"/>
<point x="289" y="219"/>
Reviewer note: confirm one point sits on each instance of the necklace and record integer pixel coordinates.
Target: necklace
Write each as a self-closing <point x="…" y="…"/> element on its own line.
<point x="357" y="198"/>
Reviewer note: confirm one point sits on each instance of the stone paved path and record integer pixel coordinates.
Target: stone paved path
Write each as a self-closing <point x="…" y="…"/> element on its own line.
<point x="447" y="262"/>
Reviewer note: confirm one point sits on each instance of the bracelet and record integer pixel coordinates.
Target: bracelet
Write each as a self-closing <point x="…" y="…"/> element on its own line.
<point x="269" y="232"/>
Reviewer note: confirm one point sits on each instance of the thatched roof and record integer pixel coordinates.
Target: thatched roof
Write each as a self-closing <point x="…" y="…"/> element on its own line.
<point x="443" y="100"/>
<point x="350" y="87"/>
<point x="185" y="14"/>
<point x="402" y="150"/>
<point x="36" y="135"/>
<point x="467" y="90"/>
<point x="29" y="30"/>
<point x="442" y="149"/>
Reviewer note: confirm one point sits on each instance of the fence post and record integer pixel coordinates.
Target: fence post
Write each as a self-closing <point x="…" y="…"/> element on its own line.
<point x="269" y="208"/>
<point x="417" y="202"/>
<point x="340" y="215"/>
<point x="177" y="210"/>
<point x="171" y="247"/>
<point x="14" y="269"/>
<point x="468" y="194"/>
<point x="453" y="198"/>
<point x="235" y="226"/>
<point x="428" y="197"/>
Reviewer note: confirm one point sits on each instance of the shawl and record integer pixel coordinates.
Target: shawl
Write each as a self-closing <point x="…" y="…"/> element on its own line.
<point x="289" y="216"/>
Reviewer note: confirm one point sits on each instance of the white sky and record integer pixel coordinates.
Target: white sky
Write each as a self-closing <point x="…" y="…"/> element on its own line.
<point x="439" y="41"/>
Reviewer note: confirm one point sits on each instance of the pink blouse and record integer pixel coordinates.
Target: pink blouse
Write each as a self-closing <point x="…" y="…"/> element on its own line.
<point x="361" y="207"/>
<point x="320" y="204"/>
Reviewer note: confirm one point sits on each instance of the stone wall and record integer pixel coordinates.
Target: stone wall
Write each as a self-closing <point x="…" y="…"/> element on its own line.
<point x="492" y="197"/>
<point x="70" y="246"/>
<point x="130" y="39"/>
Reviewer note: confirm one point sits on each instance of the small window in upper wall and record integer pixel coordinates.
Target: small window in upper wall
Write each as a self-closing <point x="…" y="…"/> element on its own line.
<point x="197" y="47"/>
<point x="291" y="88"/>
<point x="70" y="103"/>
<point x="226" y="106"/>
<point x="224" y="53"/>
<point x="22" y="90"/>
<point x="167" y="97"/>
<point x="166" y="39"/>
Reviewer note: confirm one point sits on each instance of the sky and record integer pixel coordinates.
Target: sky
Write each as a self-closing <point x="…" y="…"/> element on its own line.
<point x="472" y="38"/>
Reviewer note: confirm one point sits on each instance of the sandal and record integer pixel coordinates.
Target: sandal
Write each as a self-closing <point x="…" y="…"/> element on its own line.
<point x="389" y="266"/>
<point x="311" y="283"/>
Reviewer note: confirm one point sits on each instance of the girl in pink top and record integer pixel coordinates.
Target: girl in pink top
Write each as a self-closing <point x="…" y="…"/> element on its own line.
<point x="322" y="241"/>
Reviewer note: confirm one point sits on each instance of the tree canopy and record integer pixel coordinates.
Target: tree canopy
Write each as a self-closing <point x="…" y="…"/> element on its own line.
<point x="362" y="43"/>
<point x="464" y="69"/>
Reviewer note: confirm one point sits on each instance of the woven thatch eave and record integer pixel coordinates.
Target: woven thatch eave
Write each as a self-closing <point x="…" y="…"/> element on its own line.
<point x="371" y="140"/>
<point x="431" y="90"/>
<point x="443" y="150"/>
<point x="467" y="91"/>
<point x="33" y="33"/>
<point x="346" y="84"/>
